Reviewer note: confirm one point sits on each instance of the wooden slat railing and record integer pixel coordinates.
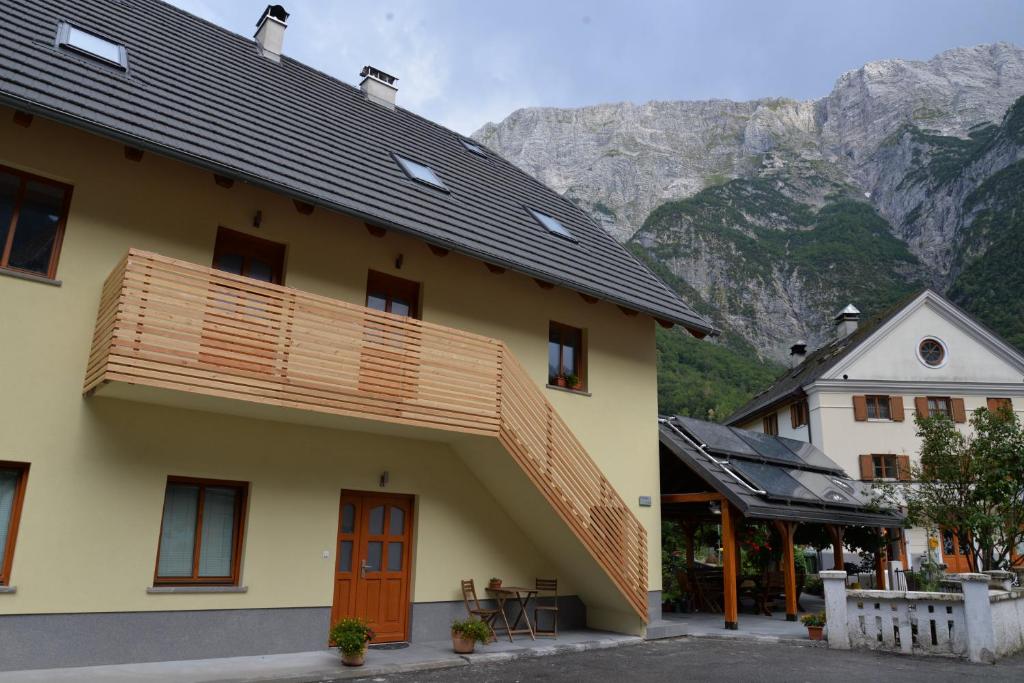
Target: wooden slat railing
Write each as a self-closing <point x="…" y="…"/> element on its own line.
<point x="172" y="324"/>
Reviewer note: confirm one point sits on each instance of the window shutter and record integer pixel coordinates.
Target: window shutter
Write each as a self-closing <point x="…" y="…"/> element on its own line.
<point x="903" y="467"/>
<point x="860" y="408"/>
<point x="867" y="467"/>
<point x="959" y="412"/>
<point x="993" y="404"/>
<point x="921" y="405"/>
<point x="794" y="415"/>
<point x="896" y="413"/>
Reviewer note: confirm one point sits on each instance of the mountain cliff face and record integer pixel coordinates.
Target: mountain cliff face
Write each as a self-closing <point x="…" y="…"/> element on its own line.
<point x="771" y="215"/>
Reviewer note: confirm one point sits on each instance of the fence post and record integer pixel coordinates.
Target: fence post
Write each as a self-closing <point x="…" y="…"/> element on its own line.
<point x="835" y="609"/>
<point x="981" y="636"/>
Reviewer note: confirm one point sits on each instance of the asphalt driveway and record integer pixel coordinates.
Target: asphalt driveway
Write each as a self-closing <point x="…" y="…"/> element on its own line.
<point x="723" y="660"/>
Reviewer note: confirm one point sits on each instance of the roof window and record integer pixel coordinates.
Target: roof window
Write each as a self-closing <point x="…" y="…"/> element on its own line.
<point x="91" y="45"/>
<point x="553" y="225"/>
<point x="473" y="147"/>
<point x="420" y="172"/>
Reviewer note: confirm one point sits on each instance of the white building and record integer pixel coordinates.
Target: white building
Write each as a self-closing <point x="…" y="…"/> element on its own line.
<point x="856" y="398"/>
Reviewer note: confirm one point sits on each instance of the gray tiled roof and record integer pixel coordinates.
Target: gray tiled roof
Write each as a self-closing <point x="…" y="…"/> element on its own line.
<point x="197" y="92"/>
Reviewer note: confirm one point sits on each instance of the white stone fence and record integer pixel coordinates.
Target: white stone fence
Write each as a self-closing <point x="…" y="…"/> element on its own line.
<point x="983" y="623"/>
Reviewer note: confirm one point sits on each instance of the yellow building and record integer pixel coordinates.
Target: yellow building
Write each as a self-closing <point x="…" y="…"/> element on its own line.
<point x="277" y="351"/>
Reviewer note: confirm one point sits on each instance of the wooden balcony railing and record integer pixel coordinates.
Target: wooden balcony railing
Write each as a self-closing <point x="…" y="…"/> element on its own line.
<point x="172" y="324"/>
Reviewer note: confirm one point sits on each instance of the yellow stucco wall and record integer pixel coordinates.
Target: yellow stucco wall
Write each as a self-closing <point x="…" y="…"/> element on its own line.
<point x="91" y="517"/>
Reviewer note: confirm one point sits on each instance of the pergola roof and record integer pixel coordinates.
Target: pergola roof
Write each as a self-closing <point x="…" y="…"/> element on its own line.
<point x="764" y="477"/>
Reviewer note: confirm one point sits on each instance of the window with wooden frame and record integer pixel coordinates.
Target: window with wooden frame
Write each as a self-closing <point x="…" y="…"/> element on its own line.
<point x="952" y="408"/>
<point x="878" y="407"/>
<point x="875" y="466"/>
<point x="250" y="256"/>
<point x="799" y="414"/>
<point x="997" y="404"/>
<point x="770" y="424"/>
<point x="567" y="357"/>
<point x="201" y="532"/>
<point x="13" y="478"/>
<point x="392" y="294"/>
<point x="33" y="212"/>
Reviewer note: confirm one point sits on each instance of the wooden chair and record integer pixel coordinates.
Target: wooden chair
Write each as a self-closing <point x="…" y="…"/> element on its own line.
<point x="549" y="589"/>
<point x="484" y="614"/>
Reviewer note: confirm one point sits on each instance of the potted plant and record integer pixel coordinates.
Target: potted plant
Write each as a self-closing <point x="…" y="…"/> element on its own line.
<point x="814" y="622"/>
<point x="466" y="634"/>
<point x="495" y="582"/>
<point x="573" y="381"/>
<point x="560" y="380"/>
<point x="351" y="636"/>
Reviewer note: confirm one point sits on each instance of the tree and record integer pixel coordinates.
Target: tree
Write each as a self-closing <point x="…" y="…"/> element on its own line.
<point x="970" y="483"/>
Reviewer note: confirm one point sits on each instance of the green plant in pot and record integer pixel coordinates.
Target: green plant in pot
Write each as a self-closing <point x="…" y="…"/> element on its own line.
<point x="352" y="635"/>
<point x="815" y="623"/>
<point x="573" y="381"/>
<point x="467" y="633"/>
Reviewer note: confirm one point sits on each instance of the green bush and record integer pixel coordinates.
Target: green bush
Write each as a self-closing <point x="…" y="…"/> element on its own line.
<point x="472" y="629"/>
<point x="813" y="619"/>
<point x="351" y="635"/>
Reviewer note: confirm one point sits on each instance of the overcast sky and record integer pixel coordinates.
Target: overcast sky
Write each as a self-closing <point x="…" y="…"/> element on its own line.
<point x="465" y="62"/>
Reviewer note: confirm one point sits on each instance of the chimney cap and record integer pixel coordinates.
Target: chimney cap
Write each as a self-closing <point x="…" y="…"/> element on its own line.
<point x="277" y="12"/>
<point x="375" y="73"/>
<point x="849" y="312"/>
<point x="799" y="348"/>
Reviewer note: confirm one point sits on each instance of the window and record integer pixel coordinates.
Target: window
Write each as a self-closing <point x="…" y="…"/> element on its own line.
<point x="420" y="172"/>
<point x="770" y="424"/>
<point x="553" y="225"/>
<point x="392" y="294"/>
<point x="799" y="414"/>
<point x="878" y="407"/>
<point x="885" y="466"/>
<point x="33" y="211"/>
<point x="13" y="476"/>
<point x="201" y="532"/>
<point x="940" y="405"/>
<point x="932" y="352"/>
<point x="473" y="147"/>
<point x="997" y="404"/>
<point x="92" y="45"/>
<point x="566" y="357"/>
<point x="242" y="254"/>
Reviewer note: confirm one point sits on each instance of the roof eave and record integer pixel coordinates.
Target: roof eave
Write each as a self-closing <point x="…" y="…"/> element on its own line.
<point x="698" y="329"/>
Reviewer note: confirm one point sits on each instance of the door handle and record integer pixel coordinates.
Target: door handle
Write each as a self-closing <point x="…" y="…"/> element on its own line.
<point x="363" y="566"/>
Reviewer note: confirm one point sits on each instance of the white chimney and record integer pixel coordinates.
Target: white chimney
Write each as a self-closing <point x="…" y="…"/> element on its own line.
<point x="270" y="32"/>
<point x="846" y="321"/>
<point x="379" y="86"/>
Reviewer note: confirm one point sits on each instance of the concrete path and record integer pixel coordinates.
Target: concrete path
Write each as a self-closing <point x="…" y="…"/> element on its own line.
<point x="322" y="665"/>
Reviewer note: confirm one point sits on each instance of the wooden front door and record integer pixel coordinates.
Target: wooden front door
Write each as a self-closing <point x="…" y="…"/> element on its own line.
<point x="372" y="574"/>
<point x="953" y="555"/>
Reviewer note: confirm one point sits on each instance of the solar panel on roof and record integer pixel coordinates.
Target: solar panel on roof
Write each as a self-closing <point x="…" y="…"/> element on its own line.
<point x="717" y="438"/>
<point x="832" y="490"/>
<point x="775" y="481"/>
<point x="810" y="454"/>
<point x="768" y="447"/>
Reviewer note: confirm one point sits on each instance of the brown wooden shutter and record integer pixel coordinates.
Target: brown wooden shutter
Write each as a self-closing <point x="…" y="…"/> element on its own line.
<point x="921" y="405"/>
<point x="959" y="412"/>
<point x="896" y="412"/>
<point x="867" y="467"/>
<point x="903" y="467"/>
<point x="860" y="408"/>
<point x="794" y="414"/>
<point x="994" y="404"/>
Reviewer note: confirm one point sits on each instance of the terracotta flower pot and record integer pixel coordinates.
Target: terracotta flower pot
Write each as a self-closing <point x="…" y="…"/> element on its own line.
<point x="354" y="660"/>
<point x="814" y="632"/>
<point x="463" y="646"/>
<point x="560" y="381"/>
<point x="494" y="584"/>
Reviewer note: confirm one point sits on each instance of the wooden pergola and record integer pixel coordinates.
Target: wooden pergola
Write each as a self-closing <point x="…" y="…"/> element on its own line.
<point x="695" y="476"/>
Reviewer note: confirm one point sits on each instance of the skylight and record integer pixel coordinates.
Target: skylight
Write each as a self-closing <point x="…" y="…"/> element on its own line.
<point x="553" y="225"/>
<point x="473" y="147"/>
<point x="421" y="173"/>
<point x="92" y="45"/>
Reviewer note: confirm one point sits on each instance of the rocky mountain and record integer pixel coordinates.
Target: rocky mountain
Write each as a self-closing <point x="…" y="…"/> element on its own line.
<point x="771" y="215"/>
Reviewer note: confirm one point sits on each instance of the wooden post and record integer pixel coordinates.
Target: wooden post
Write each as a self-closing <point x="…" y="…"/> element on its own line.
<point x="729" y="562"/>
<point x="786" y="530"/>
<point x="836" y="532"/>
